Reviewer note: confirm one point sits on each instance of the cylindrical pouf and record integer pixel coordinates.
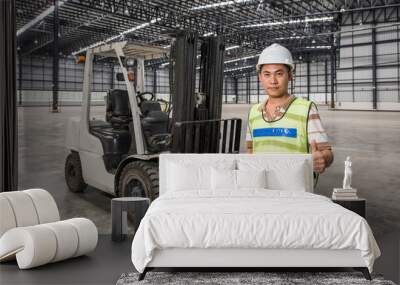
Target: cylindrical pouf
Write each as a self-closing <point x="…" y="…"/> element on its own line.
<point x="23" y="208"/>
<point x="7" y="218"/>
<point x="67" y="240"/>
<point x="46" y="207"/>
<point x="26" y="208"/>
<point x="33" y="246"/>
<point x="87" y="233"/>
<point x="41" y="244"/>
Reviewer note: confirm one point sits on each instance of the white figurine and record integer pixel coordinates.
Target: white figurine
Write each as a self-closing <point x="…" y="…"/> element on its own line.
<point x="347" y="174"/>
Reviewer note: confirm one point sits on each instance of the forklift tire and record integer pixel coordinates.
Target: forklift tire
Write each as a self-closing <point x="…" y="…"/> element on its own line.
<point x="139" y="179"/>
<point x="73" y="173"/>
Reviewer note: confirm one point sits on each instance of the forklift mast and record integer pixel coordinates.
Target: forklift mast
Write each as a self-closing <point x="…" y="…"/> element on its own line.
<point x="196" y="119"/>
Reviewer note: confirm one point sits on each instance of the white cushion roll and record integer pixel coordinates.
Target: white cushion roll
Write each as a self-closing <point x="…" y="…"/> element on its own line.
<point x="31" y="232"/>
<point x="67" y="239"/>
<point x="23" y="207"/>
<point x="37" y="245"/>
<point x="87" y="234"/>
<point x="34" y="246"/>
<point x="7" y="218"/>
<point x="45" y="205"/>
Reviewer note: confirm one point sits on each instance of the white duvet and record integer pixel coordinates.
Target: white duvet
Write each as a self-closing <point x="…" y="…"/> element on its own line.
<point x="253" y="218"/>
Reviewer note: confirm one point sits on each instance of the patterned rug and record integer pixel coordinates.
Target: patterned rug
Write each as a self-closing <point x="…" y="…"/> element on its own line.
<point x="242" y="278"/>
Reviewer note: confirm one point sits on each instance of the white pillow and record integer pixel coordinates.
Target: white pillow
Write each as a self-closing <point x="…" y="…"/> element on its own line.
<point x="251" y="178"/>
<point x="189" y="176"/>
<point x="282" y="173"/>
<point x="223" y="179"/>
<point x="290" y="179"/>
<point x="182" y="177"/>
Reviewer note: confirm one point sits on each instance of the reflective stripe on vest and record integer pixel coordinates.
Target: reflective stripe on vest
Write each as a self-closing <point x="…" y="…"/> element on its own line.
<point x="285" y="135"/>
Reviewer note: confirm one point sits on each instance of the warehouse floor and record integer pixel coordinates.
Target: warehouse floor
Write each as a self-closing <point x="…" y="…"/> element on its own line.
<point x="372" y="139"/>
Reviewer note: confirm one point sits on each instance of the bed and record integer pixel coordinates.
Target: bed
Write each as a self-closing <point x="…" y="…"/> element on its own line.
<point x="246" y="211"/>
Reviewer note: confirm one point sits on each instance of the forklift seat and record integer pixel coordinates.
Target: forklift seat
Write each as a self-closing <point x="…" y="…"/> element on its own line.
<point x="120" y="139"/>
<point x="154" y="120"/>
<point x="149" y="106"/>
<point x="118" y="108"/>
<point x="155" y="126"/>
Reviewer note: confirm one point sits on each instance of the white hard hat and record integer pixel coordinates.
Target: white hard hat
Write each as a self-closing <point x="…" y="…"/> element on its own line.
<point x="275" y="54"/>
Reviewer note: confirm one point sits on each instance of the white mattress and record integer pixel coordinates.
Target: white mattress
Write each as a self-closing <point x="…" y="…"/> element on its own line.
<point x="252" y="218"/>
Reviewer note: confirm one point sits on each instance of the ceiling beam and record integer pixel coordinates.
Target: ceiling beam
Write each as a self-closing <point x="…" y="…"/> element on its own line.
<point x="39" y="18"/>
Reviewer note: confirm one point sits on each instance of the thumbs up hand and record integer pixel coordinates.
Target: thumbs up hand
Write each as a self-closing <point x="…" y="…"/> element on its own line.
<point x="318" y="158"/>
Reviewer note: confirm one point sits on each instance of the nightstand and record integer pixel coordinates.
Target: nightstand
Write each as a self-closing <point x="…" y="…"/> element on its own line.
<point x="356" y="205"/>
<point x="119" y="215"/>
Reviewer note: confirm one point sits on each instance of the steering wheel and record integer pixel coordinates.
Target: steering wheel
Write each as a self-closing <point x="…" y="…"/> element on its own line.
<point x="141" y="97"/>
<point x="164" y="105"/>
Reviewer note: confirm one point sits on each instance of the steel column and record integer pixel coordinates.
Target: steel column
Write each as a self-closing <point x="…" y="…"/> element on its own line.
<point x="8" y="98"/>
<point x="235" y="88"/>
<point x="291" y="84"/>
<point x="226" y="91"/>
<point x="112" y="77"/>
<point x="374" y="81"/>
<point x="154" y="81"/>
<point x="248" y="88"/>
<point x="19" y="79"/>
<point x="308" y="77"/>
<point x="56" y="63"/>
<point x="326" y="81"/>
<point x="398" y="67"/>
<point x="333" y="73"/>
<point x="352" y="57"/>
<point x="258" y="89"/>
<point x="293" y="80"/>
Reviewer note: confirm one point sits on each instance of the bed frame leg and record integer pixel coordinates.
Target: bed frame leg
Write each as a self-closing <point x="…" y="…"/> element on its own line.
<point x="143" y="274"/>
<point x="364" y="271"/>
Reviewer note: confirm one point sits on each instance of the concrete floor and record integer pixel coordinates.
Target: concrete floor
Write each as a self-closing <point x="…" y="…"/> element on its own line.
<point x="94" y="268"/>
<point x="372" y="139"/>
<point x="104" y="266"/>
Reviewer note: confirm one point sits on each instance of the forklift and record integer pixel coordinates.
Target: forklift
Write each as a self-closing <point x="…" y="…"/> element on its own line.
<point x="118" y="152"/>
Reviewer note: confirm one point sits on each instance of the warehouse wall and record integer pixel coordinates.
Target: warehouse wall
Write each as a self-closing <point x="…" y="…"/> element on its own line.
<point x="319" y="89"/>
<point x="354" y="83"/>
<point x="355" y="67"/>
<point x="250" y="91"/>
<point x="36" y="81"/>
<point x="229" y="95"/>
<point x="354" y="78"/>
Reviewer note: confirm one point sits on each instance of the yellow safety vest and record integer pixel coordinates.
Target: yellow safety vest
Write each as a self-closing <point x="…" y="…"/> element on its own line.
<point x="287" y="134"/>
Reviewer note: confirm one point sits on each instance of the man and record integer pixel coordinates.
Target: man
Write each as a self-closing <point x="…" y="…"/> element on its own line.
<point x="284" y="123"/>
